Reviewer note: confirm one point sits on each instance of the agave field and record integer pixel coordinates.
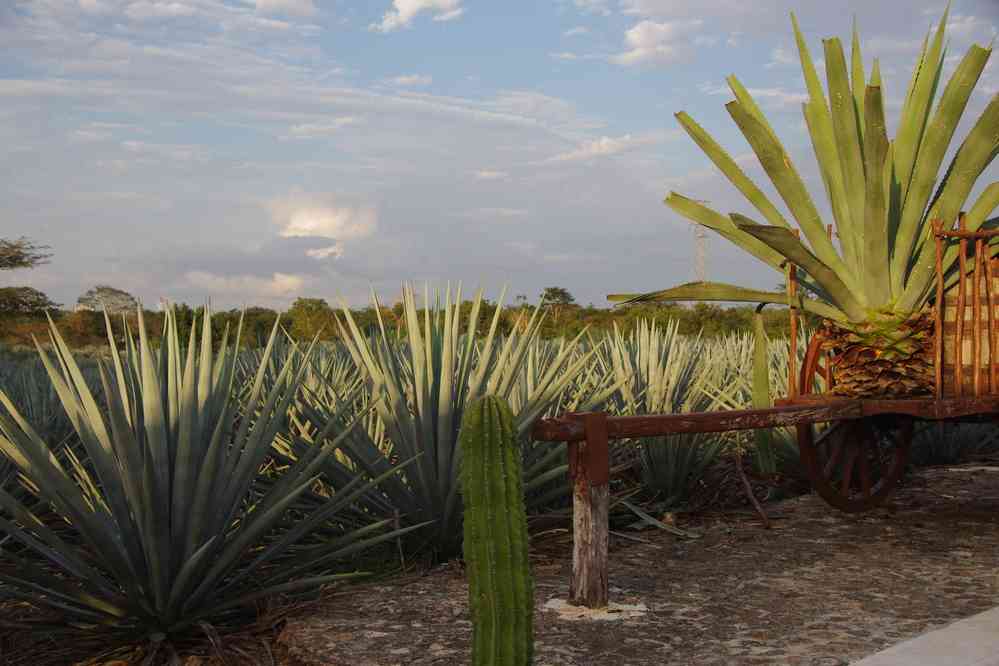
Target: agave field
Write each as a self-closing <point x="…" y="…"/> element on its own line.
<point x="161" y="492"/>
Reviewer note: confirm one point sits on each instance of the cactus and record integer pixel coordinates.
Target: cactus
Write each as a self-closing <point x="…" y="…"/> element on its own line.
<point x="500" y="590"/>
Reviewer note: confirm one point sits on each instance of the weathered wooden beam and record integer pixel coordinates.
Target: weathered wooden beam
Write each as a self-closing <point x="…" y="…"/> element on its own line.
<point x="934" y="410"/>
<point x="589" y="471"/>
<point x="786" y="415"/>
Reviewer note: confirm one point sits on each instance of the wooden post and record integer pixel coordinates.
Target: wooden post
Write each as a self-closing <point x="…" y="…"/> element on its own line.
<point x="976" y="321"/>
<point x="939" y="314"/>
<point x="589" y="471"/>
<point x="990" y="297"/>
<point x="962" y="283"/>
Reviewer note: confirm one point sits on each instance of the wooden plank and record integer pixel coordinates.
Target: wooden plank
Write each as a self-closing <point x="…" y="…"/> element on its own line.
<point x="960" y="233"/>
<point x="938" y="314"/>
<point x="962" y="259"/>
<point x="990" y="297"/>
<point x="784" y="415"/>
<point x="933" y="410"/>
<point x="976" y="321"/>
<point x="589" y="469"/>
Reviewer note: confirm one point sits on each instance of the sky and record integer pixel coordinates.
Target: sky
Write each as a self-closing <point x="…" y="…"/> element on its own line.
<point x="249" y="152"/>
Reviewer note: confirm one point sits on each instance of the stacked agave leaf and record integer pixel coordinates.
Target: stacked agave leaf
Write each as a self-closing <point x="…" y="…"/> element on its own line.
<point x="874" y="290"/>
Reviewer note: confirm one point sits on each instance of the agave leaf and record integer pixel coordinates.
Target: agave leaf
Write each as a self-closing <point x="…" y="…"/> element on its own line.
<point x="857" y="81"/>
<point x="930" y="156"/>
<point x="761" y="393"/>
<point x="916" y="110"/>
<point x="824" y="144"/>
<point x="715" y="291"/>
<point x="792" y="189"/>
<point x="730" y="168"/>
<point x="876" y="75"/>
<point x="743" y="97"/>
<point x="877" y="279"/>
<point x="787" y="244"/>
<point x="848" y="139"/>
<point x="820" y="127"/>
<point x="725" y="227"/>
<point x="975" y="154"/>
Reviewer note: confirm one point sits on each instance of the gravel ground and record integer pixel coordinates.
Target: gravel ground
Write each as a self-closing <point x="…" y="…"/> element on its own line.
<point x="821" y="587"/>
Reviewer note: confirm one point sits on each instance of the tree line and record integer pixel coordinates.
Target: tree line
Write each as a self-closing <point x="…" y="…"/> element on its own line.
<point x="23" y="313"/>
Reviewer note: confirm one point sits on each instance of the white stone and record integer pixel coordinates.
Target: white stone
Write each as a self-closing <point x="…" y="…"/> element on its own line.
<point x="613" y="612"/>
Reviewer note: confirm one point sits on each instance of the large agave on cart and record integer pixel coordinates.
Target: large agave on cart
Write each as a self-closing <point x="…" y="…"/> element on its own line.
<point x="875" y="286"/>
<point x="876" y="276"/>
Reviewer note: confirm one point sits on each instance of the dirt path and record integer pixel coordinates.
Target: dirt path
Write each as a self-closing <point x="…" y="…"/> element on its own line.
<point x="820" y="588"/>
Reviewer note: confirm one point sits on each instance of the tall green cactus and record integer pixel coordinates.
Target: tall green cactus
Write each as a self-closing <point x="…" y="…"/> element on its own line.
<point x="500" y="590"/>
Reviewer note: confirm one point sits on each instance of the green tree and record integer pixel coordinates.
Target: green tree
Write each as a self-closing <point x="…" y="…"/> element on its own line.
<point x="557" y="300"/>
<point x="257" y="324"/>
<point x="22" y="301"/>
<point x="21" y="253"/>
<point x="104" y="296"/>
<point x="309" y="316"/>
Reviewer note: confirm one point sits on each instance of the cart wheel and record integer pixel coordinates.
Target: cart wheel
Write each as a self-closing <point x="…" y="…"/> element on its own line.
<point x="853" y="465"/>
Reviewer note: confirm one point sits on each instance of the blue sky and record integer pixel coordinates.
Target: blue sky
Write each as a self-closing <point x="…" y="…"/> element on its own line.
<point x="253" y="151"/>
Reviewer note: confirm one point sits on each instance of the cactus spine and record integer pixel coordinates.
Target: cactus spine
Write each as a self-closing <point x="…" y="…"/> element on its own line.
<point x="500" y="590"/>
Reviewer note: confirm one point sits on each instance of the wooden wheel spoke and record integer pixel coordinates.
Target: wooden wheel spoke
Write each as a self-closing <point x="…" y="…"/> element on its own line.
<point x="865" y="470"/>
<point x="834" y="457"/>
<point x="851" y="460"/>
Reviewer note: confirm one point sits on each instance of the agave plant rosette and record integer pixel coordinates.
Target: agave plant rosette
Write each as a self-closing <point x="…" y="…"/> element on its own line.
<point x="161" y="524"/>
<point x="420" y="384"/>
<point x="873" y="287"/>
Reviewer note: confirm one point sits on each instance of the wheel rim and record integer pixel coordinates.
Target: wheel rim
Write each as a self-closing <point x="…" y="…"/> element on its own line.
<point x="853" y="465"/>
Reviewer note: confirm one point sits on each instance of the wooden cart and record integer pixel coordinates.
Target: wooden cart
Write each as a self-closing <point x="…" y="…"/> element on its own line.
<point x="854" y="450"/>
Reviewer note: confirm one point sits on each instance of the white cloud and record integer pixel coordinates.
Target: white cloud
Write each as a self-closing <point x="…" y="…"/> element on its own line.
<point x="403" y="12"/>
<point x="780" y="57"/>
<point x="312" y="130"/>
<point x="501" y="213"/>
<point x="774" y="98"/>
<point x="287" y="7"/>
<point x="966" y="26"/>
<point x="176" y="152"/>
<point x="489" y="174"/>
<point x="605" y="146"/>
<point x="652" y="42"/>
<point x="593" y="7"/>
<point x="891" y="46"/>
<point x="94" y="6"/>
<point x="300" y="215"/>
<point x="578" y="30"/>
<point x="449" y="16"/>
<point x="411" y="80"/>
<point x="278" y="285"/>
<point x="88" y="135"/>
<point x="335" y="251"/>
<point x="149" y="10"/>
<point x="673" y="8"/>
<point x="564" y="55"/>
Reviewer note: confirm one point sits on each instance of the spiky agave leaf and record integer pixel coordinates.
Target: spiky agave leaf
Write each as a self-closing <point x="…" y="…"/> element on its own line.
<point x="168" y="524"/>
